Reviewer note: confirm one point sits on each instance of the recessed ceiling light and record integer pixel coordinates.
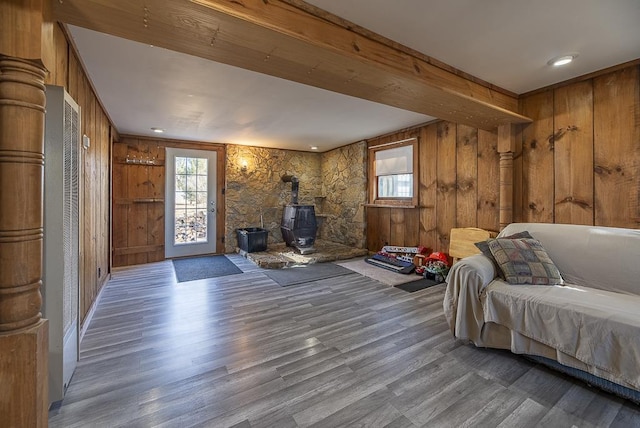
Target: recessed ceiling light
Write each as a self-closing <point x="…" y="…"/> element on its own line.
<point x="158" y="130"/>
<point x="313" y="147"/>
<point x="562" y="60"/>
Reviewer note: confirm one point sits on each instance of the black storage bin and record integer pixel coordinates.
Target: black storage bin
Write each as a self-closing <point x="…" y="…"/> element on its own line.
<point x="252" y="239"/>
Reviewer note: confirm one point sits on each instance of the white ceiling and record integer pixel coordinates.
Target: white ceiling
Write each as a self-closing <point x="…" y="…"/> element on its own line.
<point x="505" y="42"/>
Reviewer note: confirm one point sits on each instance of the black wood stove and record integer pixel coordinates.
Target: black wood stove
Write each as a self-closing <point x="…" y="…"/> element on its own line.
<point x="299" y="225"/>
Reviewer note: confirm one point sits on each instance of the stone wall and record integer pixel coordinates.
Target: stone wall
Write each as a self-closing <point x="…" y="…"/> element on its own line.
<point x="335" y="182"/>
<point x="256" y="197"/>
<point x="344" y="187"/>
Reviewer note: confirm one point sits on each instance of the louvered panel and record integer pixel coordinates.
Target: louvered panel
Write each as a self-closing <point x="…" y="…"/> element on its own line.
<point x="61" y="236"/>
<point x="70" y="216"/>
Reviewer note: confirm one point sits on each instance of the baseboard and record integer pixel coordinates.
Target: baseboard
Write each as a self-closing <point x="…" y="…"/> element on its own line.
<point x="92" y="309"/>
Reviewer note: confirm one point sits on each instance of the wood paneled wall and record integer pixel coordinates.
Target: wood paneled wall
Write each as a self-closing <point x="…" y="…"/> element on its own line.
<point x="66" y="70"/>
<point x="579" y="161"/>
<point x="458" y="187"/>
<point x="139" y="198"/>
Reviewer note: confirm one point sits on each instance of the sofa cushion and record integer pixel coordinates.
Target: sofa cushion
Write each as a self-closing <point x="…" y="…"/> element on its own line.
<point x="483" y="246"/>
<point x="524" y="261"/>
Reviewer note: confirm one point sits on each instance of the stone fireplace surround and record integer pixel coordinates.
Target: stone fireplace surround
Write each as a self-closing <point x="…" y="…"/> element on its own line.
<point x="334" y="182"/>
<point x="279" y="256"/>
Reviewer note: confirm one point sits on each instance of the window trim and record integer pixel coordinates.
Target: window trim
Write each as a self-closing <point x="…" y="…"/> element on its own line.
<point x="373" y="178"/>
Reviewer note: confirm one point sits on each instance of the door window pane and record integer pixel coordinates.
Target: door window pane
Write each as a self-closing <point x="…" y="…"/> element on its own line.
<point x="191" y="200"/>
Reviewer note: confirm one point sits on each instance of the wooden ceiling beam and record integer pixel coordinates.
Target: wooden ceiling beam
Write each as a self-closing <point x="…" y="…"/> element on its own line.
<point x="282" y="39"/>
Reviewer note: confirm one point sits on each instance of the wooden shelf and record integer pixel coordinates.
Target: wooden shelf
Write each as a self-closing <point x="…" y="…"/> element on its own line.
<point x="391" y="206"/>
<point x="156" y="163"/>
<point x="139" y="201"/>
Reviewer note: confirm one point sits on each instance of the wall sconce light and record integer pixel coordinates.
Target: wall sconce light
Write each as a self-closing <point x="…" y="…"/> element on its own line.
<point x="243" y="165"/>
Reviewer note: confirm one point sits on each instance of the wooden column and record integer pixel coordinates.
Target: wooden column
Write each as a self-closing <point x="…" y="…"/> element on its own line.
<point x="23" y="332"/>
<point x="506" y="147"/>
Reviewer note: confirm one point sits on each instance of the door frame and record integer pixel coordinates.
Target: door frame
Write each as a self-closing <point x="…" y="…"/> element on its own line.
<point x="220" y="182"/>
<point x="193" y="248"/>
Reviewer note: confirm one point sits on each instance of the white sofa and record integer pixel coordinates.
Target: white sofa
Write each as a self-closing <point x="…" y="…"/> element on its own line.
<point x="590" y="323"/>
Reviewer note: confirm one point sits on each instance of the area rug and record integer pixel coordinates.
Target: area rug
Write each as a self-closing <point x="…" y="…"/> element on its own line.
<point x="193" y="268"/>
<point x="418" y="285"/>
<point x="306" y="273"/>
<point x="382" y="275"/>
<point x="406" y="282"/>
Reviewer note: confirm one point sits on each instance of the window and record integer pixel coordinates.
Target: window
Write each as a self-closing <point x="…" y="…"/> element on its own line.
<point x="190" y="200"/>
<point x="392" y="169"/>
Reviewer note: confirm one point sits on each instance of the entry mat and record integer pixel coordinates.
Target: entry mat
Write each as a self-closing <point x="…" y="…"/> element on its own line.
<point x="201" y="267"/>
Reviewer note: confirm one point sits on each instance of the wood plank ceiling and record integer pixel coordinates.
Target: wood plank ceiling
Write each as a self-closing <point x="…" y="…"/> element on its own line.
<point x="295" y="41"/>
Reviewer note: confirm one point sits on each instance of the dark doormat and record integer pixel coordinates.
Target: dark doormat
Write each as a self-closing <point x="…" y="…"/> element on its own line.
<point x="418" y="285"/>
<point x="193" y="268"/>
<point x="306" y="273"/>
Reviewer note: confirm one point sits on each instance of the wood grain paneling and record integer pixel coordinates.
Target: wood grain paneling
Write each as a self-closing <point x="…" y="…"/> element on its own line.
<point x="446" y="188"/>
<point x="75" y="73"/>
<point x="428" y="185"/>
<point x="537" y="159"/>
<point x="398" y="227"/>
<point x="573" y="148"/>
<point x="467" y="177"/>
<point x="488" y="181"/>
<point x="518" y="182"/>
<point x="59" y="75"/>
<point x="589" y="133"/>
<point x="411" y="227"/>
<point x="617" y="148"/>
<point x="384" y="228"/>
<point x="373" y="235"/>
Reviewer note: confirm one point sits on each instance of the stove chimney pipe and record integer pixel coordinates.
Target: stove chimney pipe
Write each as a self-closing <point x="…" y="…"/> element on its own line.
<point x="294" y="187"/>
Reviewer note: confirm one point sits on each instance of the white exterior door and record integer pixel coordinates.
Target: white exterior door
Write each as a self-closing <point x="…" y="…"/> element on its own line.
<point x="190" y="212"/>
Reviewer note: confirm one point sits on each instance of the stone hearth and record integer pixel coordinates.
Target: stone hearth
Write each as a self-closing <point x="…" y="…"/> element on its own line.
<point x="279" y="255"/>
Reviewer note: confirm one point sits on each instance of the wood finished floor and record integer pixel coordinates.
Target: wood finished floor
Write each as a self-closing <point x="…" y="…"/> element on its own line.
<point x="241" y="351"/>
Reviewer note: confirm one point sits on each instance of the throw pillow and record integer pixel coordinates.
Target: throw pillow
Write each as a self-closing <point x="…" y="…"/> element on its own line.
<point x="484" y="247"/>
<point x="525" y="261"/>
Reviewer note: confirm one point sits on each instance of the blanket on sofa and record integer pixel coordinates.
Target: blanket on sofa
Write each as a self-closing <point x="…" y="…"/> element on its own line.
<point x="597" y="327"/>
<point x="592" y="323"/>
